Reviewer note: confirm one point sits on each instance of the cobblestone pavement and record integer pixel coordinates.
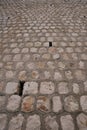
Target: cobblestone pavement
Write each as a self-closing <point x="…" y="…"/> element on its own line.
<point x="43" y="65"/>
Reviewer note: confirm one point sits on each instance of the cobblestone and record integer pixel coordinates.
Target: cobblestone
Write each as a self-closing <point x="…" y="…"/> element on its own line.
<point x="47" y="88"/>
<point x="81" y="121"/>
<point x="33" y="123"/>
<point x="43" y="104"/>
<point x="11" y="88"/>
<point x="51" y="123"/>
<point x="71" y="104"/>
<point x="30" y="88"/>
<point x="57" y="104"/>
<point x="3" y="121"/>
<point x="2" y="102"/>
<point x="16" y="122"/>
<point x="83" y="102"/>
<point x="67" y="122"/>
<point x="13" y="103"/>
<point x="62" y="88"/>
<point x="28" y="104"/>
<point x="43" y="64"/>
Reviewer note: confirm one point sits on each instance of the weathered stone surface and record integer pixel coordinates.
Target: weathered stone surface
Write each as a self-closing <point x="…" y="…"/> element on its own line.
<point x="30" y="88"/>
<point x="51" y="65"/>
<point x="43" y="104"/>
<point x="19" y="65"/>
<point x="35" y="74"/>
<point x="3" y="121"/>
<point x="61" y="65"/>
<point x="28" y="104"/>
<point x="47" y="88"/>
<point x="71" y="104"/>
<point x="2" y="86"/>
<point x="9" y="74"/>
<point x="31" y="66"/>
<point x="47" y="75"/>
<point x="82" y="121"/>
<point x="11" y="88"/>
<point x="13" y="103"/>
<point x="83" y="102"/>
<point x="56" y="56"/>
<point x="46" y="56"/>
<point x="67" y="122"/>
<point x="76" y="88"/>
<point x="51" y="123"/>
<point x="2" y="102"/>
<point x="16" y="122"/>
<point x="68" y="75"/>
<point x="43" y="43"/>
<point x="63" y="88"/>
<point x="80" y="75"/>
<point x="57" y="104"/>
<point x="84" y="56"/>
<point x="85" y="86"/>
<point x="22" y="76"/>
<point x="33" y="123"/>
<point x="58" y="76"/>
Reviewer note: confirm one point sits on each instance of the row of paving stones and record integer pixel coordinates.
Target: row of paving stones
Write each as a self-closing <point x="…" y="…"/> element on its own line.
<point x="33" y="122"/>
<point x="42" y="110"/>
<point x="44" y="97"/>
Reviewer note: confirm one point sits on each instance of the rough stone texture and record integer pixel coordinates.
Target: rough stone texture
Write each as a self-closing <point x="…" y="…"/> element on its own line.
<point x="3" y="121"/>
<point x="33" y="123"/>
<point x="82" y="121"/>
<point x="76" y="88"/>
<point x="43" y="104"/>
<point x="83" y="102"/>
<point x="11" y="88"/>
<point x="57" y="104"/>
<point x="16" y="122"/>
<point x="30" y="88"/>
<point x="2" y="87"/>
<point x="44" y="44"/>
<point x="13" y="103"/>
<point x="22" y="76"/>
<point x="71" y="104"/>
<point x="85" y="84"/>
<point x="67" y="122"/>
<point x="58" y="76"/>
<point x="35" y="74"/>
<point x="28" y="104"/>
<point x="63" y="88"/>
<point x="2" y="102"/>
<point x="9" y="74"/>
<point x="56" y="56"/>
<point x="47" y="88"/>
<point x="68" y="75"/>
<point x="51" y="123"/>
<point x="80" y="75"/>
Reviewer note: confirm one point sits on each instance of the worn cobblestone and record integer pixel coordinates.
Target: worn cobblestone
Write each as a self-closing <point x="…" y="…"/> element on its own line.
<point x="51" y="123"/>
<point x="33" y="123"/>
<point x="16" y="122"/>
<point x="3" y="121"/>
<point x="67" y="122"/>
<point x="43" y="64"/>
<point x="28" y="104"/>
<point x="13" y="103"/>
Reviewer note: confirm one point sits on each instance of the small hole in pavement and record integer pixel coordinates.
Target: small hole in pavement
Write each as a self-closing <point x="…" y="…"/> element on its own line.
<point x="8" y="17"/>
<point x="21" y="85"/>
<point x="50" y="44"/>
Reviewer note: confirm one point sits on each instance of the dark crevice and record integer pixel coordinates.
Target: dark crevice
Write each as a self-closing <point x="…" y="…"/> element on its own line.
<point x="21" y="86"/>
<point x="50" y="44"/>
